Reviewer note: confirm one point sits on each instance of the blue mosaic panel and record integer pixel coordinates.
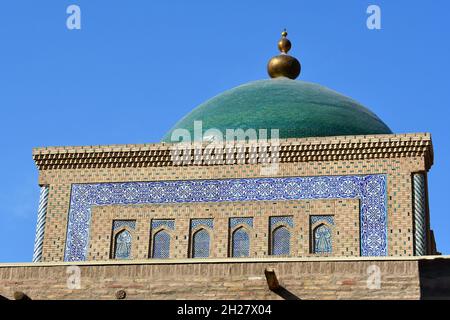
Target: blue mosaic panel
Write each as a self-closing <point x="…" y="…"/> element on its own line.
<point x="281" y="238"/>
<point x="123" y="245"/>
<point x="170" y="224"/>
<point x="200" y="244"/>
<point x="370" y="189"/>
<point x="327" y="219"/>
<point x="240" y="243"/>
<point x="322" y="239"/>
<point x="117" y="224"/>
<point x="161" y="245"/>
<point x="284" y="220"/>
<point x="419" y="209"/>
<point x="209" y="223"/>
<point x="237" y="221"/>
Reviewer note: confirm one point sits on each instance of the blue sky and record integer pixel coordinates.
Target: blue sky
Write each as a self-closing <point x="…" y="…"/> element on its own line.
<point x="136" y="67"/>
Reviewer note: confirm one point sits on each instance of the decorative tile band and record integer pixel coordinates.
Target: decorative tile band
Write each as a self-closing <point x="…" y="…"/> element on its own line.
<point x="237" y="221"/>
<point x="40" y="226"/>
<point x="124" y="223"/>
<point x="370" y="189"/>
<point x="327" y="219"/>
<point x="209" y="223"/>
<point x="168" y="223"/>
<point x="285" y="220"/>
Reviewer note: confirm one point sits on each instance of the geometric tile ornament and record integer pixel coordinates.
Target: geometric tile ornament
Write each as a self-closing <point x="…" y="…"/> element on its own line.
<point x="201" y="244"/>
<point x="284" y="220"/>
<point x="169" y="223"/>
<point x="240" y="243"/>
<point x="161" y="239"/>
<point x="201" y="238"/>
<point x="419" y="209"/>
<point x="161" y="245"/>
<point x="237" y="221"/>
<point x="209" y="223"/>
<point x="281" y="238"/>
<point x="240" y="239"/>
<point x="280" y="235"/>
<point x="370" y="189"/>
<point x="327" y="219"/>
<point x="40" y="225"/>
<point x="117" y="224"/>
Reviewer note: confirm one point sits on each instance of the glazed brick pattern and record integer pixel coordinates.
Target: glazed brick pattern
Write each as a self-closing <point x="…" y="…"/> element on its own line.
<point x="398" y="170"/>
<point x="219" y="280"/>
<point x="345" y="232"/>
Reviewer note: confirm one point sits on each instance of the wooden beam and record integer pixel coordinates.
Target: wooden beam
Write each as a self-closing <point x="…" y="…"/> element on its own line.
<point x="19" y="295"/>
<point x="271" y="278"/>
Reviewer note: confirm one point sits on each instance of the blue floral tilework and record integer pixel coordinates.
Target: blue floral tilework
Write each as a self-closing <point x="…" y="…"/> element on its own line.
<point x="117" y="224"/>
<point x="323" y="240"/>
<point x="236" y="221"/>
<point x="170" y="224"/>
<point x="285" y="220"/>
<point x="328" y="219"/>
<point x="202" y="222"/>
<point x="370" y="189"/>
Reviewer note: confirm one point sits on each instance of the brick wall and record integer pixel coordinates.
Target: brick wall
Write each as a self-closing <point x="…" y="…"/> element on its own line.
<point x="216" y="279"/>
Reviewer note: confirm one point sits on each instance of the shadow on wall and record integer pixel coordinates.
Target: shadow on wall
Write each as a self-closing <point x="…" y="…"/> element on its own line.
<point x="275" y="287"/>
<point x="434" y="279"/>
<point x="285" y="294"/>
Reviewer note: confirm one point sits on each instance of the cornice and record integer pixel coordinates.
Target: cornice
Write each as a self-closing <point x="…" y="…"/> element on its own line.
<point x="289" y="150"/>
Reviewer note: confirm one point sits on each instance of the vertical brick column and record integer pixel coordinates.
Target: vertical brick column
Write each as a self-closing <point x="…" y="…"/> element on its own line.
<point x="260" y="235"/>
<point x="181" y="239"/>
<point x="142" y="235"/>
<point x="56" y="222"/>
<point x="347" y="234"/>
<point x="301" y="227"/>
<point x="220" y="237"/>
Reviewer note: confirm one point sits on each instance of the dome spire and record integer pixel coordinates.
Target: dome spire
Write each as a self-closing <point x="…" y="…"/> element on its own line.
<point x="284" y="65"/>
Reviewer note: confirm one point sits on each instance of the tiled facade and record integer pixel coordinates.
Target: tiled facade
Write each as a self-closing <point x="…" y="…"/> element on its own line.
<point x="395" y="157"/>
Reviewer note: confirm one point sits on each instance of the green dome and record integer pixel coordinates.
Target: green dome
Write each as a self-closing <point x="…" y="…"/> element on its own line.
<point x="297" y="108"/>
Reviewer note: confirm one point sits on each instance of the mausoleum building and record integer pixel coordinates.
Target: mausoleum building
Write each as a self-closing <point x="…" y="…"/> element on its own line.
<point x="278" y="173"/>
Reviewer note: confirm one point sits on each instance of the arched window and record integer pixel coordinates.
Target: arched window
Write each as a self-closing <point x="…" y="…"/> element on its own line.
<point x="240" y="243"/>
<point x="200" y="244"/>
<point x="281" y="238"/>
<point x="122" y="248"/>
<point x="161" y="245"/>
<point x="322" y="239"/>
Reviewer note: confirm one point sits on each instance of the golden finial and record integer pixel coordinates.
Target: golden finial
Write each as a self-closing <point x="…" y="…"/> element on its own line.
<point x="284" y="65"/>
<point x="284" y="45"/>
